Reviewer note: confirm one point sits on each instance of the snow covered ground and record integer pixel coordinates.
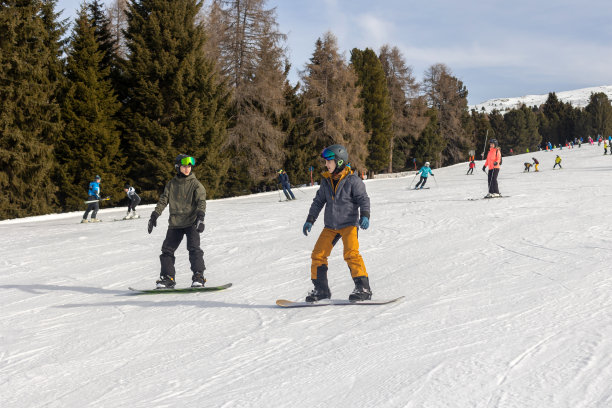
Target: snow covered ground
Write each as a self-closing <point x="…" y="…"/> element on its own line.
<point x="508" y="302"/>
<point x="577" y="97"/>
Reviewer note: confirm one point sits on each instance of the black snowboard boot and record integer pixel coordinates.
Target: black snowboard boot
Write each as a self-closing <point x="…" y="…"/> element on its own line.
<point x="321" y="288"/>
<point x="362" y="289"/>
<point x="165" y="282"/>
<point x="197" y="280"/>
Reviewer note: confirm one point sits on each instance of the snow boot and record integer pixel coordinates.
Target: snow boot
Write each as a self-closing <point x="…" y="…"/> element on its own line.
<point x="127" y="216"/>
<point x="84" y="221"/>
<point x="165" y="282"/>
<point x="321" y="288"/>
<point x="134" y="215"/>
<point x="362" y="289"/>
<point x="197" y="280"/>
<point x="95" y="220"/>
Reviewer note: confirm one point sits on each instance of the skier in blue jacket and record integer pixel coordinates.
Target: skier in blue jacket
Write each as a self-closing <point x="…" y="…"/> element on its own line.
<point x="93" y="195"/>
<point x="425" y="171"/>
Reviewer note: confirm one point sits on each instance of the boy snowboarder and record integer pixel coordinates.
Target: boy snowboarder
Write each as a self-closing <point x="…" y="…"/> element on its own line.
<point x="527" y="167"/>
<point x="536" y="163"/>
<point x="187" y="199"/>
<point x="471" y="169"/>
<point x="283" y="179"/>
<point x="347" y="207"/>
<point x="93" y="195"/>
<point x="557" y="162"/>
<point x="493" y="162"/>
<point x="134" y="201"/>
<point x="425" y="171"/>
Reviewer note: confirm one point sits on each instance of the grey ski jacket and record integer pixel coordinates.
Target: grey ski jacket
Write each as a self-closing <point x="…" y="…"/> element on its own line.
<point x="344" y="205"/>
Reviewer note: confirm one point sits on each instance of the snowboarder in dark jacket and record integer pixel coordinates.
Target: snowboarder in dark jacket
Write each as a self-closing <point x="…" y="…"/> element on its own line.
<point x="283" y="179"/>
<point x="347" y="207"/>
<point x="186" y="197"/>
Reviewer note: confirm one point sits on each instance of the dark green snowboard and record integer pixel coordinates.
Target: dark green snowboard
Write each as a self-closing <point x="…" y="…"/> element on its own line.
<point x="180" y="290"/>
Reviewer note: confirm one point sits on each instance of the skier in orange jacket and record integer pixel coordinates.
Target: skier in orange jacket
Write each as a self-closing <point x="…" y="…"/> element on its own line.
<point x="493" y="162"/>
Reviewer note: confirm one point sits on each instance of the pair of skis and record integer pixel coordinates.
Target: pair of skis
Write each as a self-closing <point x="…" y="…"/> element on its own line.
<point x="280" y="302"/>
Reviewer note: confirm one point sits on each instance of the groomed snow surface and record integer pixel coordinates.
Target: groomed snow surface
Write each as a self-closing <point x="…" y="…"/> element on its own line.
<point x="508" y="301"/>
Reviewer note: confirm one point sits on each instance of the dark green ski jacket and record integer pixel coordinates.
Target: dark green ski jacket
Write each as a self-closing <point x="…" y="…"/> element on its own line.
<point x="186" y="197"/>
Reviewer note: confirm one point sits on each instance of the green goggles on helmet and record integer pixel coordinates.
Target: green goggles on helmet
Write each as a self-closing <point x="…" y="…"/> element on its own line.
<point x="188" y="161"/>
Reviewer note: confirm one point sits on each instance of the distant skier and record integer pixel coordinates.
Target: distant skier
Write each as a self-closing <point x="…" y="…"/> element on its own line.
<point x="557" y="162"/>
<point x="187" y="199"/>
<point x="347" y="207"/>
<point x="527" y="167"/>
<point x="425" y="171"/>
<point x="606" y="147"/>
<point x="493" y="162"/>
<point x="134" y="201"/>
<point x="283" y="179"/>
<point x="536" y="163"/>
<point x="93" y="195"/>
<point x="471" y="169"/>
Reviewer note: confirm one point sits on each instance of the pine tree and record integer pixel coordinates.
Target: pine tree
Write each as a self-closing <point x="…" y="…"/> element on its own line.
<point x="90" y="142"/>
<point x="176" y="102"/>
<point x="332" y="96"/>
<point x="448" y="94"/>
<point x="29" y="112"/>
<point x="252" y="55"/>
<point x="377" y="113"/>
<point x="299" y="126"/>
<point x="599" y="113"/>
<point x="431" y="143"/>
<point x="407" y="106"/>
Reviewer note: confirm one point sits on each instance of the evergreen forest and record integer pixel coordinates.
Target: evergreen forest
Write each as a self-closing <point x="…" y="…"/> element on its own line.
<point x="123" y="89"/>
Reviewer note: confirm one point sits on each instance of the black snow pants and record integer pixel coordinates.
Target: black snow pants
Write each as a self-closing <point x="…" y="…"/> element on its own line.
<point x="422" y="180"/>
<point x="172" y="242"/>
<point x="94" y="207"/>
<point x="492" y="178"/>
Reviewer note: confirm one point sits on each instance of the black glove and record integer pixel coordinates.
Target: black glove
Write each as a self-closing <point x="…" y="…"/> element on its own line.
<point x="200" y="222"/>
<point x="484" y="168"/>
<point x="152" y="221"/>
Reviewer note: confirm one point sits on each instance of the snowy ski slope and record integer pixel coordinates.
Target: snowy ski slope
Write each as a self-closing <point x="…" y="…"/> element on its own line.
<point x="508" y="302"/>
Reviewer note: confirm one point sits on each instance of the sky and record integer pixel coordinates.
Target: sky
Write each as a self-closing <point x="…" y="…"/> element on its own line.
<point x="496" y="48"/>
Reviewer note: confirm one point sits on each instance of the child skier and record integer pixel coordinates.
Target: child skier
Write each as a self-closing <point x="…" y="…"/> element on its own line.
<point x="134" y="201"/>
<point x="425" y="171"/>
<point x="493" y="162"/>
<point x="187" y="199"/>
<point x="347" y="206"/>
<point x="527" y="167"/>
<point x="557" y="162"/>
<point x="471" y="169"/>
<point x="283" y="179"/>
<point x="536" y="163"/>
<point x="93" y="195"/>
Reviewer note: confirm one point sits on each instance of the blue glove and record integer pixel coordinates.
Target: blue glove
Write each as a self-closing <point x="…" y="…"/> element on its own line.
<point x="364" y="223"/>
<point x="307" y="227"/>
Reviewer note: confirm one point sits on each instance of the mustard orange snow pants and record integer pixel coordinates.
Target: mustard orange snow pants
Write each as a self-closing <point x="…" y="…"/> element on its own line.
<point x="325" y="244"/>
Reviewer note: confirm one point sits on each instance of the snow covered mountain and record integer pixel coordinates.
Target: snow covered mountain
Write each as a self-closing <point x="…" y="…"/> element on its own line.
<point x="508" y="302"/>
<point x="577" y="97"/>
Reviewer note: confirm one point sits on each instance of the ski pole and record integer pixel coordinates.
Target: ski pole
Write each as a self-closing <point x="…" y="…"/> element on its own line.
<point x="435" y="181"/>
<point x="412" y="181"/>
<point x="279" y="194"/>
<point x="95" y="201"/>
